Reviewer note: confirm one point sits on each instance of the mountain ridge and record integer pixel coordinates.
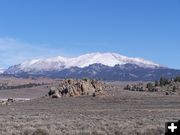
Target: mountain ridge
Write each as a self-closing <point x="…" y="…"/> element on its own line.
<point x="103" y="66"/>
<point x="127" y="72"/>
<point x="60" y="63"/>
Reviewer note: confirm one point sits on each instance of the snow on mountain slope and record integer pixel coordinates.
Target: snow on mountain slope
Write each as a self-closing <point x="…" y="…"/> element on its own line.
<point x="108" y="59"/>
<point x="59" y="63"/>
<point x="2" y="70"/>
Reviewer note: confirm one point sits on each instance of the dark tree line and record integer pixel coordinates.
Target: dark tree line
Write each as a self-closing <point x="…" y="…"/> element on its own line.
<point x="29" y="85"/>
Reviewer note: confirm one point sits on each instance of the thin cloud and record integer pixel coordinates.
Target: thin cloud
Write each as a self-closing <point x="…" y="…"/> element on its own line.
<point x="14" y="51"/>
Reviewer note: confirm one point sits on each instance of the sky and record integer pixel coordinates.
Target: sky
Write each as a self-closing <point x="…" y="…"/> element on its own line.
<point x="148" y="29"/>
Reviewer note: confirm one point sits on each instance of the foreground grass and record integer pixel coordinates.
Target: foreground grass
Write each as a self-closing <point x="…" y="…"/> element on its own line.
<point x="122" y="113"/>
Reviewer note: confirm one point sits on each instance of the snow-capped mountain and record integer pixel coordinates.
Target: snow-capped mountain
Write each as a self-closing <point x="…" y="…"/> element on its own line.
<point x="105" y="66"/>
<point x="59" y="63"/>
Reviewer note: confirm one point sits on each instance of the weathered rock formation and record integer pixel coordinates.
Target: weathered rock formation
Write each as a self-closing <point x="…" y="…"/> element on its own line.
<point x="167" y="86"/>
<point x="78" y="87"/>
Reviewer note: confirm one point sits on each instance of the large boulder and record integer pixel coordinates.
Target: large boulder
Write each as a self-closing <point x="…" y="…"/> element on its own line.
<point x="76" y="87"/>
<point x="54" y="92"/>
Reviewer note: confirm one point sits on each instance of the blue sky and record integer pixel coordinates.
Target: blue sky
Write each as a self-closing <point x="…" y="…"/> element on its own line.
<point x="44" y="28"/>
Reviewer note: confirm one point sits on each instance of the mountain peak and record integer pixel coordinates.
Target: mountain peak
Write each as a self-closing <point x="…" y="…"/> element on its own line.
<point x="111" y="59"/>
<point x="59" y="63"/>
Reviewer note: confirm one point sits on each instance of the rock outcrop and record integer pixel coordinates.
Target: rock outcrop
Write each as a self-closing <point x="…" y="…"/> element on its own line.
<point x="167" y="86"/>
<point x="135" y="87"/>
<point x="7" y="102"/>
<point x="78" y="87"/>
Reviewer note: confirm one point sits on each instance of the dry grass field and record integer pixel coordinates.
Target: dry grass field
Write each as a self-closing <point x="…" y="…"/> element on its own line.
<point x="120" y="113"/>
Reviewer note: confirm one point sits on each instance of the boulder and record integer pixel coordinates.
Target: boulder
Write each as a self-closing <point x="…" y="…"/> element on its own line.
<point x="10" y="100"/>
<point x="54" y="92"/>
<point x="76" y="87"/>
<point x="56" y="95"/>
<point x="3" y="103"/>
<point x="7" y="102"/>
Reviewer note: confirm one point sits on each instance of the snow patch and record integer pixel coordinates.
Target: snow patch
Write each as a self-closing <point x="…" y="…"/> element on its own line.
<point x="60" y="63"/>
<point x="2" y="70"/>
